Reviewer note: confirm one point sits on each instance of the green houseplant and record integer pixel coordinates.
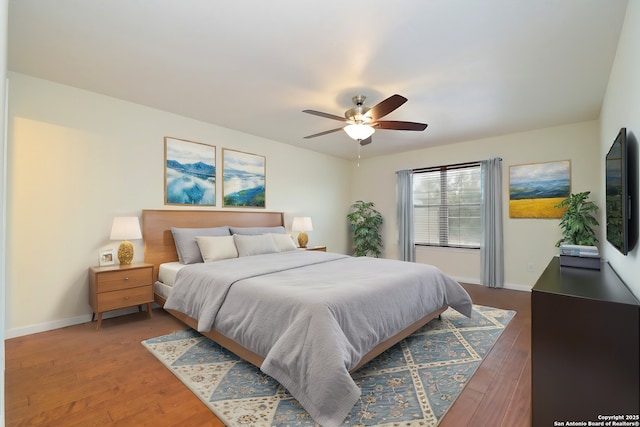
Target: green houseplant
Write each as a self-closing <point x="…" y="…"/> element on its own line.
<point x="578" y="221"/>
<point x="365" y="222"/>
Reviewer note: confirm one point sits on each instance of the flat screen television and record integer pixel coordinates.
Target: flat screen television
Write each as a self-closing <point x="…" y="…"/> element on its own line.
<point x="621" y="231"/>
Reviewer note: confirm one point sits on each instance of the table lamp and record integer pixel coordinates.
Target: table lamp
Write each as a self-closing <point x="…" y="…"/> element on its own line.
<point x="302" y="224"/>
<point x="125" y="228"/>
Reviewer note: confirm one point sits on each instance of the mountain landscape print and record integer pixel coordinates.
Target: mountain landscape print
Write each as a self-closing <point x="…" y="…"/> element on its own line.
<point x="536" y="189"/>
<point x="243" y="179"/>
<point x="190" y="173"/>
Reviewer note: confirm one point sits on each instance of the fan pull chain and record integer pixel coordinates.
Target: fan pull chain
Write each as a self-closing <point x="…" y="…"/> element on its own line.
<point x="359" y="150"/>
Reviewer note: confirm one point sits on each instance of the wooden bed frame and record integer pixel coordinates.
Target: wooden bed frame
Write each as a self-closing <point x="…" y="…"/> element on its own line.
<point x="159" y="248"/>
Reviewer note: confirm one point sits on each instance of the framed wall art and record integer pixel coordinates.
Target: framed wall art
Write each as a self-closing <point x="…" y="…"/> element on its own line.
<point x="189" y="173"/>
<point x="535" y="189"/>
<point x="243" y="179"/>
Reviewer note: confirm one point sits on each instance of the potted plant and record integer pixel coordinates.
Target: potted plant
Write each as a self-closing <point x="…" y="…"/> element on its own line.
<point x="578" y="221"/>
<point x="365" y="222"/>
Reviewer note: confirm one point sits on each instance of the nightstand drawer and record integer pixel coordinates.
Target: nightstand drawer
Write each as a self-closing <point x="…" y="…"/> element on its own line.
<point x="124" y="298"/>
<point x="124" y="279"/>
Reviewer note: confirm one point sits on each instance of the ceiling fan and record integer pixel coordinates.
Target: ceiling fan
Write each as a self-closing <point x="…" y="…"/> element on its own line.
<point x="364" y="121"/>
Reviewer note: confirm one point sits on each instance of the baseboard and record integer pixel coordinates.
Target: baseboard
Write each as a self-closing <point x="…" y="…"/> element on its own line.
<point x="517" y="287"/>
<point x="469" y="280"/>
<point x="63" y="323"/>
<point x="46" y="326"/>
<point x="511" y="286"/>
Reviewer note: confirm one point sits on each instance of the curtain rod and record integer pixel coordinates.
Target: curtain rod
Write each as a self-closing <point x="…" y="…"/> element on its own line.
<point x="455" y="165"/>
<point x="428" y="168"/>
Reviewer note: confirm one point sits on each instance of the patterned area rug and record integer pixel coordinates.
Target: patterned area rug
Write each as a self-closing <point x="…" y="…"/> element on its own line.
<point x="413" y="383"/>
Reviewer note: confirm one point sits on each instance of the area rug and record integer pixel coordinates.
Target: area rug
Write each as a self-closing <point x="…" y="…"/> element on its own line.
<point x="413" y="383"/>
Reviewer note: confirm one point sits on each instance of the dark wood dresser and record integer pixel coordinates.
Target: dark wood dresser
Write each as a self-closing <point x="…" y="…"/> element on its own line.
<point x="585" y="347"/>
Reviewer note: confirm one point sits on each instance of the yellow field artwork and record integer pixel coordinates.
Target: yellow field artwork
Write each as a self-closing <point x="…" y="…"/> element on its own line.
<point x="536" y="189"/>
<point x="536" y="208"/>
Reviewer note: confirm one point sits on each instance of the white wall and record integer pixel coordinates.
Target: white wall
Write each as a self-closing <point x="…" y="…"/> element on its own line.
<point x="621" y="108"/>
<point x="77" y="159"/>
<point x="529" y="243"/>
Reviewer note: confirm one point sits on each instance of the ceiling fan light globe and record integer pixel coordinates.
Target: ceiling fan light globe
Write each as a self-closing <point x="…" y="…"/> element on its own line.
<point x="359" y="131"/>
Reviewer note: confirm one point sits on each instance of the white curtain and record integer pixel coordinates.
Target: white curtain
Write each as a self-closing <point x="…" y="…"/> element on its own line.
<point x="405" y="215"/>
<point x="491" y="246"/>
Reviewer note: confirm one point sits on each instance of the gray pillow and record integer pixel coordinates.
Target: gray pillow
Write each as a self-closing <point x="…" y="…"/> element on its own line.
<point x="186" y="244"/>
<point x="252" y="231"/>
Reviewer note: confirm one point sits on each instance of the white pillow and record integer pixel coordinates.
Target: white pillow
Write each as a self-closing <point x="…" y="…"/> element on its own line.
<point x="217" y="248"/>
<point x="284" y="242"/>
<point x="254" y="245"/>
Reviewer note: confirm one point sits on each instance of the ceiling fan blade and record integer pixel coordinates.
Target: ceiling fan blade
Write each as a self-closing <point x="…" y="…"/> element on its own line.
<point x="395" y="125"/>
<point x="322" y="133"/>
<point x="385" y="107"/>
<point x="325" y="115"/>
<point x="366" y="141"/>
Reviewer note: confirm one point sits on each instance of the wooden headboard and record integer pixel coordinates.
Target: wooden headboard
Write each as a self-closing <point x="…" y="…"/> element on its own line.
<point x="158" y="240"/>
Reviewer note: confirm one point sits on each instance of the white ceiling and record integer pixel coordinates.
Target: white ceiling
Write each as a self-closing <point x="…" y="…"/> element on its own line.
<point x="470" y="68"/>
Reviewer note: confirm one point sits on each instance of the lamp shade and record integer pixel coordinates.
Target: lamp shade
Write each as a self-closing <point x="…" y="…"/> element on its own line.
<point x="302" y="223"/>
<point x="125" y="228"/>
<point x="359" y="131"/>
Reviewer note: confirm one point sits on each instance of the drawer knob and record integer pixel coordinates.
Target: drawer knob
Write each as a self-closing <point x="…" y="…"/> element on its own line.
<point x="126" y="278"/>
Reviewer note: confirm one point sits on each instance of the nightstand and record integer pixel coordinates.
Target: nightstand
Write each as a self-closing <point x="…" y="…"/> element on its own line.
<point x="119" y="286"/>
<point x="315" y="248"/>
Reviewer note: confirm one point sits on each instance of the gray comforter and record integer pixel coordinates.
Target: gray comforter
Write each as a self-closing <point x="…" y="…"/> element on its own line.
<point x="313" y="315"/>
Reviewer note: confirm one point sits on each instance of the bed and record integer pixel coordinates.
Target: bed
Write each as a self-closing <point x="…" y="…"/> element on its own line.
<point x="353" y="310"/>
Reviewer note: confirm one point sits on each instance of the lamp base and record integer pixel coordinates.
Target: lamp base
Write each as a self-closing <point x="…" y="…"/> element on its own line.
<point x="125" y="253"/>
<point x="303" y="239"/>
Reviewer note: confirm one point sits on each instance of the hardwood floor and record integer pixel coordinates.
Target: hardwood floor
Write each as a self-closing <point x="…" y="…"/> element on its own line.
<point x="499" y="393"/>
<point x="78" y="376"/>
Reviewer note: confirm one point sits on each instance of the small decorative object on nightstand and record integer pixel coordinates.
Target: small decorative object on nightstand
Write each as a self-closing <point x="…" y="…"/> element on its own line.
<point x="302" y="224"/>
<point x="120" y="286"/>
<point x="125" y="228"/>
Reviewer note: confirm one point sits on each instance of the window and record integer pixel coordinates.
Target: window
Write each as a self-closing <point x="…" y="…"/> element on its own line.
<point x="447" y="202"/>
